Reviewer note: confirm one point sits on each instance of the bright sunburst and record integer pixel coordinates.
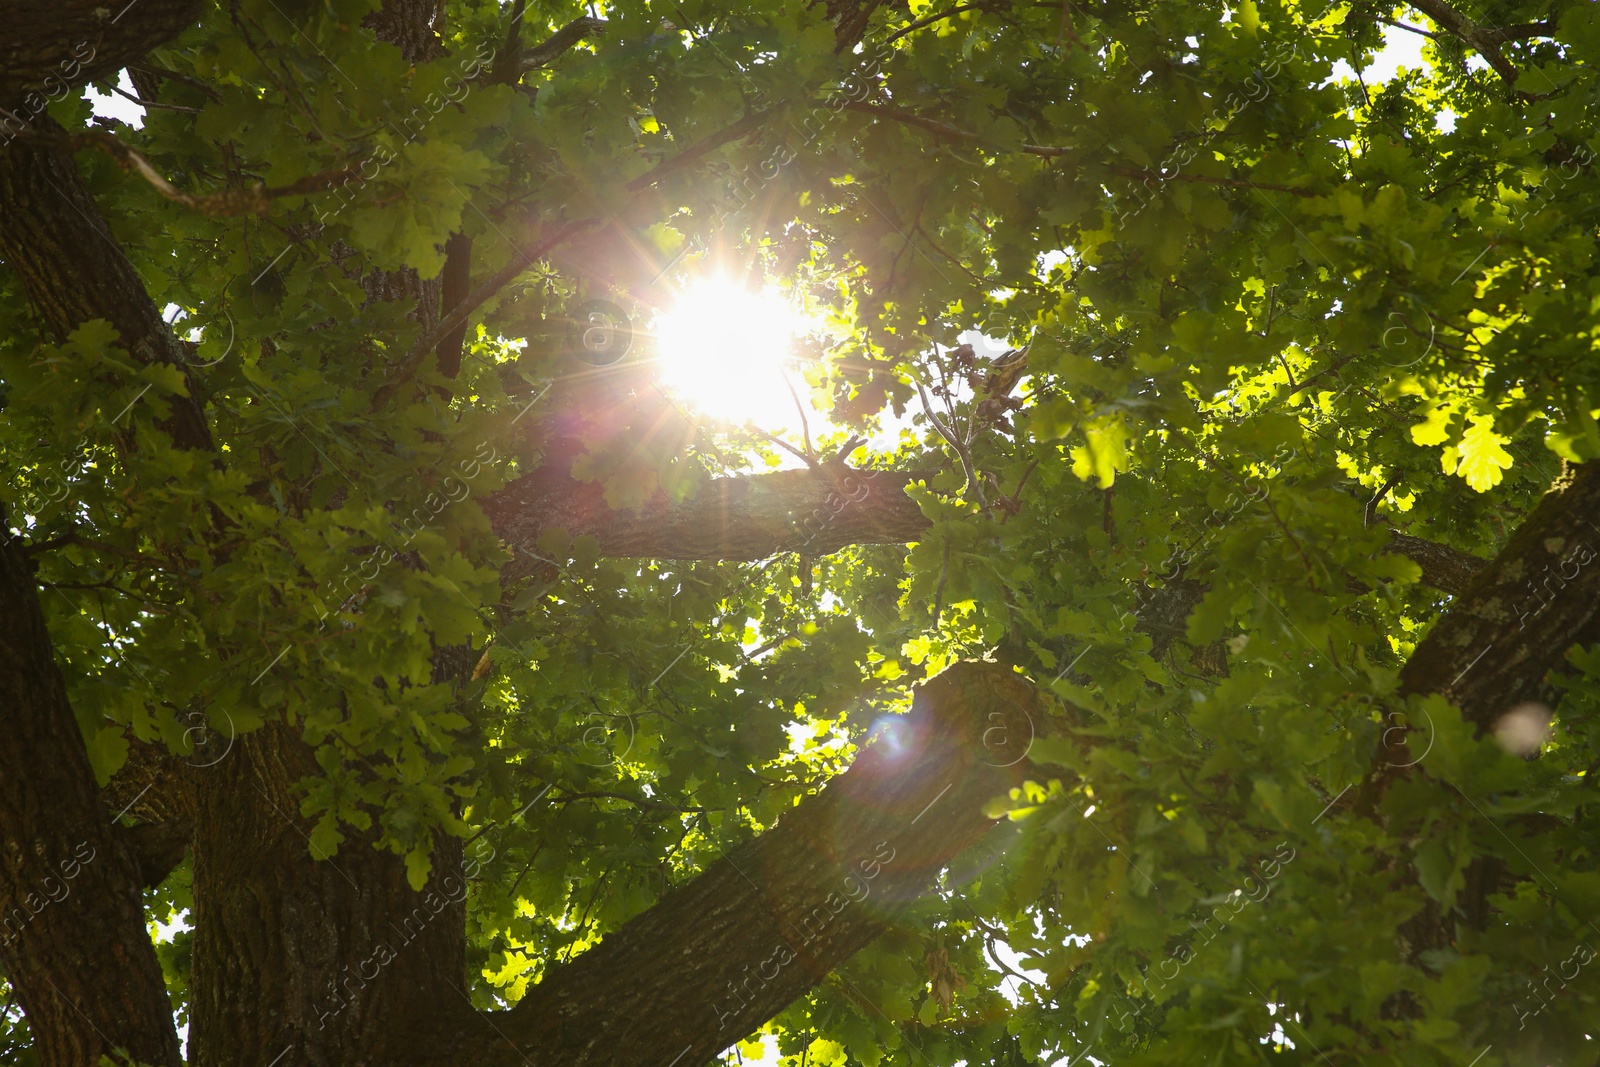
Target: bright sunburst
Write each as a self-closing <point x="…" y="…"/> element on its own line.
<point x="724" y="349"/>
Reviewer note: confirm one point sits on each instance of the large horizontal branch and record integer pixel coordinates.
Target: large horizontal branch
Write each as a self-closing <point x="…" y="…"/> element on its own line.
<point x="1446" y="569"/>
<point x="808" y="511"/>
<point x="813" y="512"/>
<point x="724" y="953"/>
<point x="50" y="46"/>
<point x="1497" y="646"/>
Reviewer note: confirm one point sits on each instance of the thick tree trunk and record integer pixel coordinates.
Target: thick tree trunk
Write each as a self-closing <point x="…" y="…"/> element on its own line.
<point x="724" y="953"/>
<point x="53" y="237"/>
<point x="72" y="936"/>
<point x="338" y="961"/>
<point x="334" y="961"/>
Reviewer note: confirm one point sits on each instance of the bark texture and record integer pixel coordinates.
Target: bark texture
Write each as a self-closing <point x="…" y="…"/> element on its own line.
<point x="1446" y="569"/>
<point x="328" y="961"/>
<point x="810" y="511"/>
<point x="725" y="952"/>
<point x="72" y="937"/>
<point x="50" y="46"/>
<point x="409" y="26"/>
<point x="55" y="240"/>
<point x="1497" y="646"/>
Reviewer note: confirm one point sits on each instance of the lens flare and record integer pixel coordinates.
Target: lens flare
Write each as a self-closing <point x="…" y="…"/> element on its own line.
<point x="723" y="350"/>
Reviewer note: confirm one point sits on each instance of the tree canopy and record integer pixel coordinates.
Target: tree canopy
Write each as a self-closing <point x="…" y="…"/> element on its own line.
<point x="1149" y="641"/>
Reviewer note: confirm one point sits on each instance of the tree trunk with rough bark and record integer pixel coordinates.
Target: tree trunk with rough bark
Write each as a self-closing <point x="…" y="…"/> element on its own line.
<point x="72" y="937"/>
<point x="337" y="960"/>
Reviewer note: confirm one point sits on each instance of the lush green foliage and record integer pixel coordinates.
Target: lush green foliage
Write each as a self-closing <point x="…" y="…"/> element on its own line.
<point x="1331" y="289"/>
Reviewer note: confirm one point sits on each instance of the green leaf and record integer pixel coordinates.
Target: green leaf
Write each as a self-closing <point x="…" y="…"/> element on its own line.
<point x="1105" y="453"/>
<point x="1483" y="456"/>
<point x="418" y="867"/>
<point x="325" y="837"/>
<point x="108" y="751"/>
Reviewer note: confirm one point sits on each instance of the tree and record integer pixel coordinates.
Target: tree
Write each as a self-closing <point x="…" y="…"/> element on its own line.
<point x="1199" y="678"/>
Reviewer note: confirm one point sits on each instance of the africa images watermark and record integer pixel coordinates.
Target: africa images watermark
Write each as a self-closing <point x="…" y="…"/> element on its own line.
<point x="857" y="887"/>
<point x="54" y="891"/>
<point x="431" y="904"/>
<point x="1257" y="88"/>
<point x="1581" y="956"/>
<point x="413" y="125"/>
<point x="1231" y="906"/>
<point x="854" y="89"/>
<point x="37" y="100"/>
<point x="420" y="519"/>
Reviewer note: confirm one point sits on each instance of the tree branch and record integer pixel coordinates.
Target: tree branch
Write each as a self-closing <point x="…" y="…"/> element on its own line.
<point x="928" y="20"/>
<point x="1521" y="32"/>
<point x="1446" y="569"/>
<point x="956" y="133"/>
<point x="1459" y="26"/>
<point x="1497" y="646"/>
<point x="252" y="199"/>
<point x="810" y="511"/>
<point x="50" y="46"/>
<point x="452" y="321"/>
<point x="734" y="131"/>
<point x="507" y="69"/>
<point x="724" y="953"/>
<point x="550" y="49"/>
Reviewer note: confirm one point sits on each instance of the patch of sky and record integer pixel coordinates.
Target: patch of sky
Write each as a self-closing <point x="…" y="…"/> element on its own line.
<point x="113" y="106"/>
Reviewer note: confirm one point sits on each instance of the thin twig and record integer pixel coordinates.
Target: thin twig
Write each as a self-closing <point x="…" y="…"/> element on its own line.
<point x="100" y="546"/>
<point x="961" y="449"/>
<point x="956" y="133"/>
<point x="928" y="20"/>
<point x="743" y="128"/>
<point x="805" y="423"/>
<point x="1371" y="515"/>
<point x="250" y="200"/>
<point x="1016" y="497"/>
<point x="1293" y="388"/>
<point x="1397" y="24"/>
<point x="154" y="103"/>
<point x="1310" y="571"/>
<point x="647" y="804"/>
<point x="162" y="72"/>
<point x="809" y="459"/>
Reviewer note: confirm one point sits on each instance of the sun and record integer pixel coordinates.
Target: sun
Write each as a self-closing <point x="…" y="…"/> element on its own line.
<point x="725" y="350"/>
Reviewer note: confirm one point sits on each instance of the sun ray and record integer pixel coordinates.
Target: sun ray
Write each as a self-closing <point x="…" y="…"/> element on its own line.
<point x="725" y="350"/>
